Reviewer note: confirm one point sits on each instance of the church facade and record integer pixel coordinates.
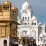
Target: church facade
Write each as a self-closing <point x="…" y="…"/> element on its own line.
<point x="30" y="27"/>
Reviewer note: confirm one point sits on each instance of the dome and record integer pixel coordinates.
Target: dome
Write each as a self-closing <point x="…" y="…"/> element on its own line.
<point x="6" y="3"/>
<point x="26" y="5"/>
<point x="13" y="8"/>
<point x="34" y="17"/>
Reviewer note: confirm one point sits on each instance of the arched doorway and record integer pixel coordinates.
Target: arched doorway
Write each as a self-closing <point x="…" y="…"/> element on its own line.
<point x="5" y="42"/>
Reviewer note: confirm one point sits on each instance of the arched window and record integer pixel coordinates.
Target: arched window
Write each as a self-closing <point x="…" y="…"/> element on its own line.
<point x="5" y="42"/>
<point x="23" y="18"/>
<point x="33" y="33"/>
<point x="28" y="18"/>
<point x="14" y="12"/>
<point x="33" y="23"/>
<point x="25" y="23"/>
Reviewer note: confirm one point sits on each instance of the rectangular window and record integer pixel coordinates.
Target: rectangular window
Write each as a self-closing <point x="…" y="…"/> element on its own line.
<point x="3" y="31"/>
<point x="6" y="7"/>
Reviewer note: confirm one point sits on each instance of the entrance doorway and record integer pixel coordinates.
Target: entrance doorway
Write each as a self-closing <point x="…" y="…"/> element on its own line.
<point x="5" y="42"/>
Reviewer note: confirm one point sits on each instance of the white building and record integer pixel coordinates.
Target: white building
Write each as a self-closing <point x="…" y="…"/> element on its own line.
<point x="29" y="25"/>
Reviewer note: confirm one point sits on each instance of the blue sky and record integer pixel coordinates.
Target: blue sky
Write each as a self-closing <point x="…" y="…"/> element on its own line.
<point x="38" y="7"/>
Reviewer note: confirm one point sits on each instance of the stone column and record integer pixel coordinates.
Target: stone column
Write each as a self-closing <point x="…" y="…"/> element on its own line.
<point x="8" y="40"/>
<point x="37" y="43"/>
